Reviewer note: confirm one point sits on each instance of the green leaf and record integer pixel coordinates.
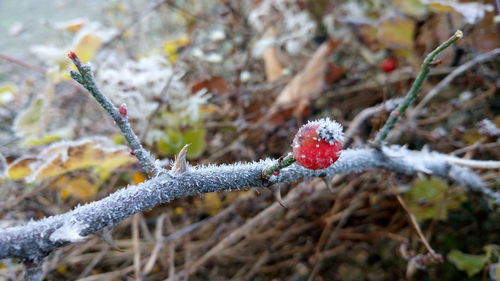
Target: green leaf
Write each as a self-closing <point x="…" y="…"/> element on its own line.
<point x="174" y="140"/>
<point x="196" y="140"/>
<point x="171" y="143"/>
<point x="471" y="264"/>
<point x="429" y="198"/>
<point x="412" y="8"/>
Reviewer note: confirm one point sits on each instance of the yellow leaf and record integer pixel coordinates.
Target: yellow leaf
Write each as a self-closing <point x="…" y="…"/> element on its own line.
<point x="178" y="211"/>
<point x="212" y="203"/>
<point x="72" y="26"/>
<point x="79" y="187"/>
<point x="98" y="153"/>
<point x="396" y="32"/>
<point x="87" y="46"/>
<point x="63" y="157"/>
<point x="8" y="88"/>
<point x="171" y="47"/>
<point x="20" y="168"/>
<point x="138" y="177"/>
<point x="440" y="7"/>
<point x="471" y="11"/>
<point x="7" y="92"/>
<point x="44" y="140"/>
<point x="62" y="269"/>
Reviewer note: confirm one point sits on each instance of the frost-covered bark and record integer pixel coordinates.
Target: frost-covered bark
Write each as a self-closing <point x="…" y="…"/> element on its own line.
<point x="36" y="239"/>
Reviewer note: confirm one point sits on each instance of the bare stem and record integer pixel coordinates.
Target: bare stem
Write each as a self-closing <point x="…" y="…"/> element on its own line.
<point x="85" y="77"/>
<point x="415" y="88"/>
<point x="277" y="166"/>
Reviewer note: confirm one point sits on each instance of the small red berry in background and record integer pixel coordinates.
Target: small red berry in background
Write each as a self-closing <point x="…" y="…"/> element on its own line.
<point x="389" y="64"/>
<point x="317" y="144"/>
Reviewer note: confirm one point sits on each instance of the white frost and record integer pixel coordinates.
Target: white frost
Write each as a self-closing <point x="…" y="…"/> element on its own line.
<point x="68" y="232"/>
<point x="329" y="130"/>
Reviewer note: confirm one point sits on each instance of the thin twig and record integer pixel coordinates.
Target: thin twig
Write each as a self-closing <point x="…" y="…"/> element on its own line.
<point x="85" y="77"/>
<point x="136" y="247"/>
<point x="366" y="113"/>
<point x="23" y="64"/>
<point x="415" y="88"/>
<point x="415" y="225"/>
<point x="488" y="164"/>
<point x="447" y="80"/>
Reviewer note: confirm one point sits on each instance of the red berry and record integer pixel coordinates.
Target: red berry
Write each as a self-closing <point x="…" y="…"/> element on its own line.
<point x="389" y="64"/>
<point x="123" y="110"/>
<point x="132" y="152"/>
<point x="317" y="144"/>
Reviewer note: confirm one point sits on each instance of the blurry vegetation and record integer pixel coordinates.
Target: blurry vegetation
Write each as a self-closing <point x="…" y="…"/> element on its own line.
<point x="235" y="80"/>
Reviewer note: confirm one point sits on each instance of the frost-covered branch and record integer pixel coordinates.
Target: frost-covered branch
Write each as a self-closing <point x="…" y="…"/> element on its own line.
<point x="37" y="239"/>
<point x="85" y="77"/>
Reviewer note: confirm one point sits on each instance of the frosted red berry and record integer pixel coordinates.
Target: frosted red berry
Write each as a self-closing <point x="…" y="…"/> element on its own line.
<point x="318" y="144"/>
<point x="389" y="64"/>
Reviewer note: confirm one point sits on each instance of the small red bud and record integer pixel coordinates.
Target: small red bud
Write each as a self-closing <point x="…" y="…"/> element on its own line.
<point x="123" y="110"/>
<point x="389" y="64"/>
<point x="276" y="173"/>
<point x="132" y="152"/>
<point x="317" y="144"/>
<point x="71" y="55"/>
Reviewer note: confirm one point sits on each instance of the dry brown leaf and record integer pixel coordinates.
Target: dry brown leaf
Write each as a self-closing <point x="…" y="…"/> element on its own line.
<point x="274" y="68"/>
<point x="215" y="85"/>
<point x="307" y="84"/>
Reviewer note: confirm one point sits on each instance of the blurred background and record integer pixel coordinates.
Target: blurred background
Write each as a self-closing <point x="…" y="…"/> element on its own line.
<point x="235" y="80"/>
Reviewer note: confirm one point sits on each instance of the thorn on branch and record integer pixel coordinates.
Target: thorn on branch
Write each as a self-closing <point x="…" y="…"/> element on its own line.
<point x="180" y="164"/>
<point x="328" y="183"/>
<point x="277" y="196"/>
<point x="436" y="62"/>
<point x="106" y="235"/>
